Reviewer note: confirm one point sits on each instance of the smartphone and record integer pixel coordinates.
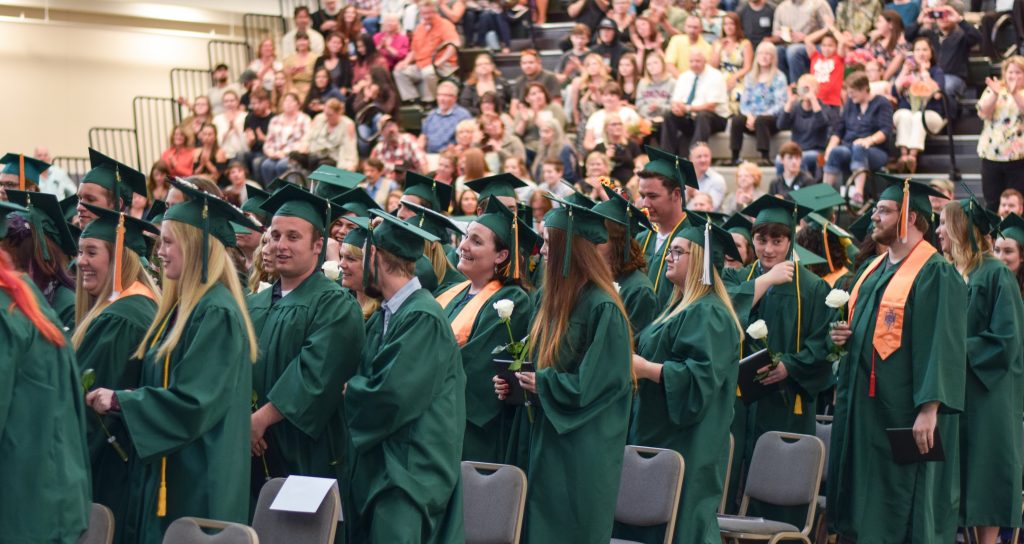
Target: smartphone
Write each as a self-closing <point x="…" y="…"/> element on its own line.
<point x="936" y="14"/>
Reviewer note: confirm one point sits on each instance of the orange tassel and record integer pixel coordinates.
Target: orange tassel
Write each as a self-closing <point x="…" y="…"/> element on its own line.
<point x="904" y="225"/>
<point x="828" y="252"/>
<point x="118" y="258"/>
<point x="21" y="172"/>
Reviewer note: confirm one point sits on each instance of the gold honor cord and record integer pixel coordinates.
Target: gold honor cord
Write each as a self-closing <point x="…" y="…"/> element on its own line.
<point x="161" y="502"/>
<point x="798" y="405"/>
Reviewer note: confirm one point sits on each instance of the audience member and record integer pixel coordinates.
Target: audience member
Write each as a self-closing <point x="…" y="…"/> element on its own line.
<point x="668" y="18"/>
<point x="537" y="107"/>
<point x="708" y="179"/>
<point x="1011" y="201"/>
<point x="256" y="126"/>
<point x="608" y="44"/>
<point x="484" y="79"/>
<point x="534" y="72"/>
<point x="414" y="75"/>
<point x="748" y="188"/>
<point x="808" y="122"/>
<point x="220" y="86"/>
<point x="325" y="19"/>
<point x="682" y="46"/>
<point x="585" y="90"/>
<point x="952" y="39"/>
<point x="1000" y="107"/>
<point x="620" y="149"/>
<point x="628" y="76"/>
<point x="827" y="67"/>
<point x="54" y="180"/>
<point x="499" y="140"/>
<point x="466" y="203"/>
<point x="178" y="155"/>
<point x="265" y="65"/>
<point x="587" y="12"/>
<point x="298" y="67"/>
<point x="399" y="151"/>
<point x="338" y="65"/>
<point x="366" y="58"/>
<point x="230" y="125"/>
<point x="552" y="146"/>
<point x="158" y="181"/>
<point x="699" y="201"/>
<point x="908" y="10"/>
<point x="323" y="89"/>
<point x="794" y="20"/>
<point x="377" y="89"/>
<point x="654" y="92"/>
<point x="611" y="103"/>
<point x="571" y="63"/>
<point x="238" y="182"/>
<point x="887" y="44"/>
<point x="439" y="125"/>
<point x="598" y="170"/>
<point x="284" y="135"/>
<point x="793" y="176"/>
<point x="349" y="25"/>
<point x="208" y="159"/>
<point x="331" y="139"/>
<point x="763" y="100"/>
<point x="391" y="42"/>
<point x="860" y="136"/>
<point x="645" y="39"/>
<point x="447" y="167"/>
<point x="376" y="184"/>
<point x="919" y="88"/>
<point x="303" y="25"/>
<point x="734" y="56"/>
<point x="492" y="28"/>
<point x="622" y="14"/>
<point x="200" y="116"/>
<point x="756" y="20"/>
<point x="711" y="18"/>
<point x="855" y="18"/>
<point x="700" y="106"/>
<point x="552" y="172"/>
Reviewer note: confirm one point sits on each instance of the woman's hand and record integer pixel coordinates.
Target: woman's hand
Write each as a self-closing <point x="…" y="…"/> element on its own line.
<point x="528" y="381"/>
<point x="841" y="333"/>
<point x="501" y="387"/>
<point x="100" y="400"/>
<point x="646" y="370"/>
<point x="994" y="84"/>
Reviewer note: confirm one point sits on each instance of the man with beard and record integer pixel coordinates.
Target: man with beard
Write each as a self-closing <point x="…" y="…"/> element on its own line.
<point x="905" y="368"/>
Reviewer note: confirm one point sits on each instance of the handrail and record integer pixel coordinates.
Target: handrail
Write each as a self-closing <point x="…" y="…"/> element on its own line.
<point x="188" y="83"/>
<point x="117" y="143"/>
<point x="259" y="26"/>
<point x="236" y="55"/>
<point x="153" y="118"/>
<point x="76" y="167"/>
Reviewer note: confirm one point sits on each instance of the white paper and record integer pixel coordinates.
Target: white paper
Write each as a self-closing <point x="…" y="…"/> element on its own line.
<point x="302" y="494"/>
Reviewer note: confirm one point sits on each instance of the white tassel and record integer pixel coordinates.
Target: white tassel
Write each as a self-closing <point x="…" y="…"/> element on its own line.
<point x="707" y="253"/>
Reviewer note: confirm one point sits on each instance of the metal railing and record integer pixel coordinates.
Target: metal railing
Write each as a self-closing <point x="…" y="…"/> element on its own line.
<point x="76" y="167"/>
<point x="117" y="143"/>
<point x="258" y="27"/>
<point x="236" y="55"/>
<point x="189" y="83"/>
<point x="154" y="118"/>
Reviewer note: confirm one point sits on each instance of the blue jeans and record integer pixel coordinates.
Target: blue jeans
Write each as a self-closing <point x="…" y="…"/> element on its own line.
<point x="793" y="60"/>
<point x="808" y="163"/>
<point x="273" y="168"/>
<point x="844" y="160"/>
<point x="372" y="25"/>
<point x="493" y="21"/>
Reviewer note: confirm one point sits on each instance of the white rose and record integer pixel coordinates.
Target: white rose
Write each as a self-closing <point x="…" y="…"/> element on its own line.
<point x="758" y="330"/>
<point x="504" y="308"/>
<point x="617" y="287"/>
<point x="263" y="287"/>
<point x="837" y="298"/>
<point x="331" y="270"/>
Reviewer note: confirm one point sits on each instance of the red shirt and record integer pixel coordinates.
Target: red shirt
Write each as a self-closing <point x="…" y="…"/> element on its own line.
<point x="179" y="161"/>
<point x="829" y="73"/>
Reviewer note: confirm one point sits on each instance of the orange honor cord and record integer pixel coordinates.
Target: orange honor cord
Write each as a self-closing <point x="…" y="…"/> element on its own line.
<point x="21" y="172"/>
<point x="118" y="258"/>
<point x="515" y="243"/>
<point x="904" y="221"/>
<point x="828" y="252"/>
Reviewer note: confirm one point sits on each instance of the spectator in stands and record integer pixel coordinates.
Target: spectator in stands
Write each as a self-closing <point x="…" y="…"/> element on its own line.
<point x="620" y="149"/>
<point x="919" y="89"/>
<point x="537" y="108"/>
<point x="466" y="203"/>
<point x="230" y="125"/>
<point x="467" y="136"/>
<point x="303" y="25"/>
<point x="763" y="100"/>
<point x="733" y="55"/>
<point x="794" y="20"/>
<point x="611" y="103"/>
<point x="887" y="44"/>
<point x="376" y="184"/>
<point x="645" y="38"/>
<point x="349" y="25"/>
<point x="447" y="167"/>
<point x="323" y="89"/>
<point x="208" y="159"/>
<point x="699" y="107"/>
<point x="622" y="14"/>
<point x="654" y="92"/>
<point x="571" y="63"/>
<point x="54" y="180"/>
<point x="397" y="149"/>
<point x="238" y="182"/>
<point x="608" y="44"/>
<point x="370" y="12"/>
<point x="498" y="140"/>
<point x="553" y="146"/>
<point x="200" y="116"/>
<point x="337" y="63"/>
<point x="628" y="76"/>
<point x="281" y="88"/>
<point x="1000" y="107"/>
<point x="484" y="79"/>
<point x="472" y="165"/>
<point x="257" y="123"/>
<point x="756" y="20"/>
<point x="668" y="18"/>
<point x="682" y="46"/>
<point x="377" y="89"/>
<point x="220" y="86"/>
<point x="516" y="167"/>
<point x="391" y="42"/>
<point x="298" y="67"/>
<point x="808" y="122"/>
<point x="711" y="18"/>
<point x="325" y="19"/>
<point x="551" y="176"/>
<point x="534" y="72"/>
<point x="331" y="139"/>
<point x="491" y="103"/>
<point x="1011" y="201"/>
<point x="493" y="28"/>
<point x="284" y="135"/>
<point x="855" y="18"/>
<point x="598" y="166"/>
<point x="265" y="65"/>
<point x="453" y="10"/>
<point x="908" y="10"/>
<point x="860" y="136"/>
<point x="585" y="91"/>
<point x="708" y="179"/>
<point x="793" y="176"/>
<point x="946" y="188"/>
<point x="748" y="188"/>
<point x="587" y="12"/>
<point x="438" y="130"/>
<point x="408" y="12"/>
<point x="178" y="155"/>
<point x="878" y="86"/>
<point x="414" y="75"/>
<point x="827" y="66"/>
<point x="700" y="201"/>
<point x="952" y="38"/>
<point x="367" y="57"/>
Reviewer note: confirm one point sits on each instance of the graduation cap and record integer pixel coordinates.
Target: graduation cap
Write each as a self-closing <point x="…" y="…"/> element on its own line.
<point x="1012" y="227"/>
<point x="124" y="232"/>
<point x="27" y="169"/>
<point x="70" y="208"/>
<point x="156" y="212"/>
<point x="672" y="167"/>
<point x="739" y="224"/>
<point x="771" y="209"/>
<point x="431" y="221"/>
<point x="716" y="242"/>
<point x="333" y="182"/>
<point x="806" y="256"/>
<point x="278" y="183"/>
<point x="212" y="215"/>
<point x="291" y="201"/>
<point x="6" y="208"/>
<point x="357" y="201"/>
<point x="862" y="227"/>
<point x="819" y="198"/>
<point x="623" y="212"/>
<point x="397" y="237"/>
<point x="911" y="194"/>
<point x="47" y="218"/>
<point x="438" y="194"/>
<point x="253" y="204"/>
<point x="356" y="237"/>
<point x="118" y="178"/>
<point x="717" y="218"/>
<point x="510" y="229"/>
<point x="818" y="223"/>
<point x="575" y="221"/>
<point x="503" y="184"/>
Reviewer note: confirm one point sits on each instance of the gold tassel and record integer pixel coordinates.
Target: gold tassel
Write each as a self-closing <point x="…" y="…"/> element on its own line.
<point x="21" y="172"/>
<point x="738" y="393"/>
<point x="798" y="406"/>
<point x="161" y="501"/>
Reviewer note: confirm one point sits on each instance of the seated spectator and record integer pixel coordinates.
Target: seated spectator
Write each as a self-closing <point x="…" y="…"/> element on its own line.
<point x="281" y="88"/>
<point x="516" y="167"/>
<point x="491" y="103"/>
<point x="699" y="107"/>
<point x="466" y="203"/>
<point x="794" y="20"/>
<point x="370" y="12"/>
<point x="711" y="18"/>
<point x="534" y="72"/>
<point x="611" y="103"/>
<point x="325" y="20"/>
<point x="201" y="115"/>
<point x="331" y="140"/>
<point x="622" y="14"/>
<point x="551" y="175"/>
<point x="748" y="188"/>
<point x="654" y="92"/>
<point x="493" y="26"/>
<point x="620" y="149"/>
<point x="708" y="179"/>
<point x="700" y="202"/>
<point x="338" y="65"/>
<point x="608" y="44"/>
<point x="733" y="55"/>
<point x="220" y="86"/>
<point x="827" y="67"/>
<point x="350" y="26"/>
<point x="453" y="10"/>
<point x="230" y="125"/>
<point x="540" y="205"/>
<point x="586" y="89"/>
<point x="447" y="166"/>
<point x="628" y="76"/>
<point x="587" y="12"/>
<point x="908" y="10"/>
<point x="394" y="201"/>
<point x="238" y="182"/>
<point x="944" y="187"/>
<point x="498" y="141"/>
<point x="157" y="183"/>
<point x="376" y="184"/>
<point x="952" y="39"/>
<point x="808" y="122"/>
<point x="178" y="155"/>
<point x="536" y="108"/>
<point x="599" y="169"/>
<point x="266" y="64"/>
<point x="756" y="20"/>
<point x="303" y="21"/>
<point x="375" y="88"/>
<point x="1000" y="108"/>
<point x="366" y="58"/>
<point x="484" y="79"/>
<point x="763" y="100"/>
<point x="323" y="89"/>
<point x="855" y="18"/>
<point x="682" y="46"/>
<point x="54" y="180"/>
<point x="408" y="12"/>
<point x="391" y="42"/>
<point x="256" y="126"/>
<point x="878" y="85"/>
<point x="298" y="67"/>
<point x="284" y="136"/>
<point x="467" y="136"/>
<point x="886" y="43"/>
<point x="397" y="149"/>
<point x="860" y="136"/>
<point x="208" y="159"/>
<point x="667" y="18"/>
<point x="472" y="165"/>
<point x="571" y="63"/>
<point x="414" y="75"/>
<point x="793" y="177"/>
<point x="645" y="39"/>
<point x="919" y="88"/>
<point x="439" y="125"/>
<point x="1011" y="201"/>
<point x="553" y="146"/>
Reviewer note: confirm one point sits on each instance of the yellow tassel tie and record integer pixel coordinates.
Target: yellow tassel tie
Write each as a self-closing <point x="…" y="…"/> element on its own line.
<point x="798" y="406"/>
<point x="738" y="393"/>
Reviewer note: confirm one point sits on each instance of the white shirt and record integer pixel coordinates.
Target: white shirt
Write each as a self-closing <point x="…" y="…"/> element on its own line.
<point x="713" y="184"/>
<point x="595" y="124"/>
<point x="55" y="181"/>
<point x="710" y="89"/>
<point x="231" y="134"/>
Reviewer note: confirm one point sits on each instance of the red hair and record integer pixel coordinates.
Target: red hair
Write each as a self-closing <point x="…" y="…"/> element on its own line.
<point x="25" y="300"/>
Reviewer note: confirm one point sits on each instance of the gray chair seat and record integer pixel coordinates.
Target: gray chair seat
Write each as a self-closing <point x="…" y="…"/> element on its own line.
<point x="755" y="526"/>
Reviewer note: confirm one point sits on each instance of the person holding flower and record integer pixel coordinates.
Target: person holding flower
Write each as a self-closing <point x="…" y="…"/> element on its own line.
<point x="112" y="316"/>
<point x="686" y="368"/>
<point x="489" y="310"/>
<point x="625" y="258"/>
<point x="580" y="344"/>
<point x="919" y="91"/>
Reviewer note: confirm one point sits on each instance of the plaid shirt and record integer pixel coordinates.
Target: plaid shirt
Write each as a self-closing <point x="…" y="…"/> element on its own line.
<point x="406" y="153"/>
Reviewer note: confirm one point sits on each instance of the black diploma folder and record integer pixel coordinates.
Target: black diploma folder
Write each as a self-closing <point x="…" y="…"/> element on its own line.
<point x="904" y="448"/>
<point x="751" y="389"/>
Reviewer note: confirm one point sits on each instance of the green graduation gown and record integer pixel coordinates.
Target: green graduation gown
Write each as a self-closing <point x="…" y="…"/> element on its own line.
<point x="310" y="341"/>
<point x="64" y="305"/>
<point x="107" y="348"/>
<point x="428" y="279"/>
<point x="45" y="468"/>
<point x="406" y="414"/>
<point x="488" y="419"/>
<point x="870" y="497"/>
<point x="579" y="432"/>
<point x="200" y="423"/>
<point x="638" y="297"/>
<point x="990" y="426"/>
<point x="690" y="411"/>
<point x="655" y="257"/>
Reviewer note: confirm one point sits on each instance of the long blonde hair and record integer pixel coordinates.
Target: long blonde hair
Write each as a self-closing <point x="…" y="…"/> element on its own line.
<point x="259" y="274"/>
<point x="89" y="307"/>
<point x="186" y="291"/>
<point x="371" y="305"/>
<point x="438" y="260"/>
<point x="963" y="256"/>
<point x="694" y="289"/>
<point x="755" y="71"/>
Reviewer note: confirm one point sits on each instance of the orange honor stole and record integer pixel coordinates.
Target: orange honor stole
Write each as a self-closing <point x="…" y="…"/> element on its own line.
<point x="462" y="326"/>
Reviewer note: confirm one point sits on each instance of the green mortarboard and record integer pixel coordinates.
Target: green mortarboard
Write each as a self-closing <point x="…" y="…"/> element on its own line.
<point x="717" y="218"/>
<point x="671" y="166"/>
<point x="104" y="227"/>
<point x="33" y="168"/>
<point x="333" y="182"/>
<point x="431" y="221"/>
<point x="919" y="191"/>
<point x="1012" y="227"/>
<point x="155" y="214"/>
<point x="6" y="208"/>
<point x="525" y="210"/>
<point x="716" y="241"/>
<point x="212" y="215"/>
<point x="47" y="218"/>
<point x="277" y="183"/>
<point x="356" y="237"/>
<point x="980" y="216"/>
<point x="771" y="209"/>
<point x="393" y="235"/>
<point x="820" y="198"/>
<point x="806" y="256"/>
<point x="623" y="212"/>
<point x="580" y="200"/>
<point x="357" y="201"/>
<point x="504" y="184"/>
<point x="291" y="201"/>
<point x="514" y="233"/>
<point x="70" y="207"/>
<point x="817" y="223"/>
<point x="739" y="224"/>
<point x="575" y="221"/>
<point x="252" y="204"/>
<point x="438" y="194"/>
<point x="862" y="227"/>
<point x="120" y="179"/>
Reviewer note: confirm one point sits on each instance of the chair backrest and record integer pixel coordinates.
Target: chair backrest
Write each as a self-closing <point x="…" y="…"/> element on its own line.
<point x="295" y="527"/>
<point x="785" y="469"/>
<point x="494" y="497"/>
<point x="650" y="488"/>
<point x="823" y="430"/>
<point x="190" y="531"/>
<point x="101" y="526"/>
<point x="728" y="474"/>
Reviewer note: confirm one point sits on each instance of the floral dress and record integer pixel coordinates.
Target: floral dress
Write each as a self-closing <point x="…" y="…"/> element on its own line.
<point x="1002" y="137"/>
<point x="731" y="61"/>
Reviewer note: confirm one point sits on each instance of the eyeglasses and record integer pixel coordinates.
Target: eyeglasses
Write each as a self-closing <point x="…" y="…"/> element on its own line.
<point x="674" y="254"/>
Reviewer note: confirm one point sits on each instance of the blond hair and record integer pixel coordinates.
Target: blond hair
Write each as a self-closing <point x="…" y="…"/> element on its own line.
<point x="694" y="289"/>
<point x="1016" y="60"/>
<point x="259" y="274"/>
<point x="959" y="229"/>
<point x="752" y="169"/>
<point x="89" y="307"/>
<point x="371" y="305"/>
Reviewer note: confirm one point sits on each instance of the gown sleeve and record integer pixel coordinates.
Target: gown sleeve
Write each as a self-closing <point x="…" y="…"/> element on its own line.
<point x="641" y="305"/>
<point x="8" y="371"/>
<point x="991" y="351"/>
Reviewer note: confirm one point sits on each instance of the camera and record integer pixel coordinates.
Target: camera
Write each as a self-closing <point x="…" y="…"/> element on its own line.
<point x="936" y="14"/>
<point x="804" y="91"/>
